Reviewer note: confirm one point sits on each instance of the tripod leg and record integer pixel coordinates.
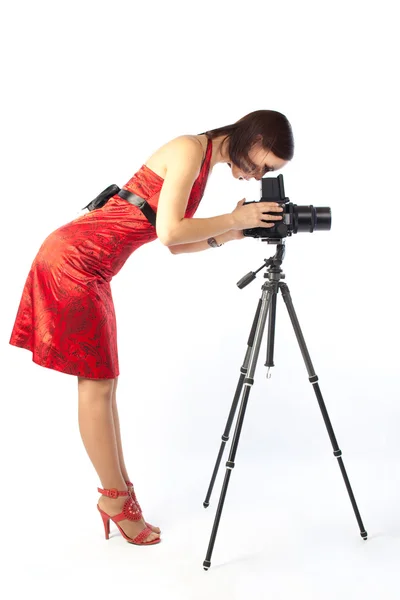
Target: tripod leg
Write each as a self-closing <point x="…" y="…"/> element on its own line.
<point x="271" y="336"/>
<point x="268" y="290"/>
<point x="313" y="378"/>
<point x="225" y="435"/>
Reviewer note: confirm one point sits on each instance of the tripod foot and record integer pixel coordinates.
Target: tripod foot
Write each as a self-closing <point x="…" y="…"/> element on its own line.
<point x="364" y="535"/>
<point x="206" y="565"/>
<point x="206" y="504"/>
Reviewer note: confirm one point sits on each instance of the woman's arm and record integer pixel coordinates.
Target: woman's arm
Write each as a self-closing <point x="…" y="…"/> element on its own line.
<point x="204" y="245"/>
<point x="183" y="166"/>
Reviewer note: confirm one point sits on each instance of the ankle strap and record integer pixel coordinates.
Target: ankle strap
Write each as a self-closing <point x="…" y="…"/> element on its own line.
<point x="113" y="493"/>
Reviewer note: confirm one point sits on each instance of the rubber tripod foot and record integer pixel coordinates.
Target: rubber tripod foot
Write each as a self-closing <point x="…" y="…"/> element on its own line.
<point x="206" y="565"/>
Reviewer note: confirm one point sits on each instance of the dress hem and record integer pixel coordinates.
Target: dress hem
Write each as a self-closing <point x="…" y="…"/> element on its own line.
<point x="54" y="368"/>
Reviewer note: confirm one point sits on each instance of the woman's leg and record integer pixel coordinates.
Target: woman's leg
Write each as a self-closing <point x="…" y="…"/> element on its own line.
<point x="118" y="432"/>
<point x="96" y="426"/>
<point x="119" y="443"/>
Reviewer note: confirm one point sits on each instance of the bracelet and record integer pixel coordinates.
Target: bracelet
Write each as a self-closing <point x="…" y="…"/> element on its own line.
<point x="213" y="243"/>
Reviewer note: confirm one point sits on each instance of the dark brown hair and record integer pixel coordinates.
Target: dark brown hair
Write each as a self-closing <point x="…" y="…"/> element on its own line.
<point x="269" y="127"/>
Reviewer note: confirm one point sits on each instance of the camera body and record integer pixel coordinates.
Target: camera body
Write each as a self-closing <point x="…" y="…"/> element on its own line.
<point x="294" y="218"/>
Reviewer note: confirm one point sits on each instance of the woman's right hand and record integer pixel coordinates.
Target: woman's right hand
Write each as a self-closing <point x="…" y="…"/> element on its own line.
<point x="253" y="215"/>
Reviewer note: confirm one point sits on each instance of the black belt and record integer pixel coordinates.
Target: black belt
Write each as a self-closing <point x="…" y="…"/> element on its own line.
<point x="114" y="190"/>
<point x="140" y="203"/>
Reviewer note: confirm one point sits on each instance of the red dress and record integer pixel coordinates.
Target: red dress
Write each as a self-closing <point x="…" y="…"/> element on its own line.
<point x="66" y="314"/>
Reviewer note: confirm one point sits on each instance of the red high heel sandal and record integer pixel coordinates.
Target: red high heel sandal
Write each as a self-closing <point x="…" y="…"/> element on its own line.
<point x="130" y="511"/>
<point x="133" y="495"/>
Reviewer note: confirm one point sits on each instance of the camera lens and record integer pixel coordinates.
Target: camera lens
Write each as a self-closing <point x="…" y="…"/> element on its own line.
<point x="311" y="218"/>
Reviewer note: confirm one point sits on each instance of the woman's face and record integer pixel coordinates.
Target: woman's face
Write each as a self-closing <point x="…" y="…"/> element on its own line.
<point x="263" y="160"/>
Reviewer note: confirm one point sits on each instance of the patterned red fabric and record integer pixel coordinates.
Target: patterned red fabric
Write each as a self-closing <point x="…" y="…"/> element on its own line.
<point x="66" y="314"/>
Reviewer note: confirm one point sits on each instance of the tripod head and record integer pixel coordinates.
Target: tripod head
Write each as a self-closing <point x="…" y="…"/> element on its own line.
<point x="274" y="263"/>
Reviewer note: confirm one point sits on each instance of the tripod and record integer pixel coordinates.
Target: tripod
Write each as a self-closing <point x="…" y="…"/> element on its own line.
<point x="267" y="303"/>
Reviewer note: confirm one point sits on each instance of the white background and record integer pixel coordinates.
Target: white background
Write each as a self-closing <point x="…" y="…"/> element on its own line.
<point x="90" y="90"/>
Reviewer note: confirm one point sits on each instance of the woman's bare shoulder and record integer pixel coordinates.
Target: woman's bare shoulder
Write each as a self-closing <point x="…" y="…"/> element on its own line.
<point x="182" y="146"/>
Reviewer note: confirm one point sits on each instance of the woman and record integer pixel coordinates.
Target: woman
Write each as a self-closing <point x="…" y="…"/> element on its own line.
<point x="66" y="315"/>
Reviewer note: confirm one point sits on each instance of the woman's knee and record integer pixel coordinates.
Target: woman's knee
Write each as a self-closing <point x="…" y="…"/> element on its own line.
<point x="95" y="387"/>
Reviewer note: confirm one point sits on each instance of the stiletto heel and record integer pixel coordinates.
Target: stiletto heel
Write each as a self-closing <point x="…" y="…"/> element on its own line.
<point x="129" y="511"/>
<point x="106" y="523"/>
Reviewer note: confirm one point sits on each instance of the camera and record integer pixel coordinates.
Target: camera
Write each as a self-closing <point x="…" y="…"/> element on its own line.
<point x="294" y="218"/>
